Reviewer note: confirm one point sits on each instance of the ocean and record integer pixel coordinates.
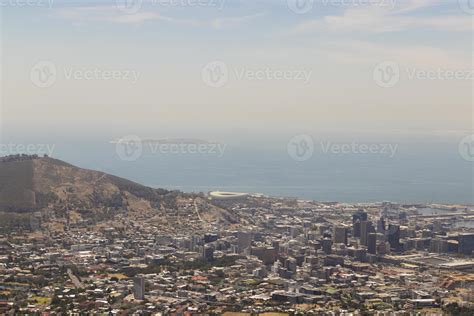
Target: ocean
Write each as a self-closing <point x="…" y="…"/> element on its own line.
<point x="417" y="173"/>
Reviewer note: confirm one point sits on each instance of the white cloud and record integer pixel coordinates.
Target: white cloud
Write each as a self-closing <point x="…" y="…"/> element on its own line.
<point x="82" y="15"/>
<point x="113" y="15"/>
<point x="413" y="5"/>
<point x="382" y="19"/>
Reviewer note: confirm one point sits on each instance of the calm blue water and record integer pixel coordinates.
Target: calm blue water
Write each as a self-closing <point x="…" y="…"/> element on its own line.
<point x="418" y="173"/>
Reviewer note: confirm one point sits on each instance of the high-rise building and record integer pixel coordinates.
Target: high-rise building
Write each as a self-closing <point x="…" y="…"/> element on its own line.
<point x="340" y="235"/>
<point x="372" y="243"/>
<point x="326" y="245"/>
<point x="208" y="252"/>
<point x="360" y="215"/>
<point x="438" y="245"/>
<point x="366" y="228"/>
<point x="466" y="243"/>
<point x="244" y="240"/>
<point x="356" y="229"/>
<point x="290" y="264"/>
<point x="139" y="288"/>
<point x="196" y="240"/>
<point x="381" y="225"/>
<point x="357" y="218"/>
<point x="394" y="237"/>
<point x="276" y="245"/>
<point x="267" y="254"/>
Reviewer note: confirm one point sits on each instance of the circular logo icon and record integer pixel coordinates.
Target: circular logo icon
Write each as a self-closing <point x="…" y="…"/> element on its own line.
<point x="466" y="148"/>
<point x="129" y="6"/>
<point x="467" y="6"/>
<point x="300" y="6"/>
<point x="301" y="147"/>
<point x="387" y="74"/>
<point x="215" y="74"/>
<point x="129" y="148"/>
<point x="43" y="74"/>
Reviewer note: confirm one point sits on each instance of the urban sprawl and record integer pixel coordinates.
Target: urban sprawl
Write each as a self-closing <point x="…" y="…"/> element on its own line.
<point x="282" y="257"/>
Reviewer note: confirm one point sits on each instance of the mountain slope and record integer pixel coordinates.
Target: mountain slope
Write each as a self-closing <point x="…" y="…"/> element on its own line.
<point x="16" y="186"/>
<point x="48" y="190"/>
<point x="31" y="184"/>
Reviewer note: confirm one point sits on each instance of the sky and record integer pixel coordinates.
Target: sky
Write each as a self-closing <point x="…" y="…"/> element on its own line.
<point x="264" y="75"/>
<point x="329" y="51"/>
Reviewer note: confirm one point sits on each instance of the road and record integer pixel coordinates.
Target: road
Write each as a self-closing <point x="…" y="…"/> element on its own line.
<point x="75" y="279"/>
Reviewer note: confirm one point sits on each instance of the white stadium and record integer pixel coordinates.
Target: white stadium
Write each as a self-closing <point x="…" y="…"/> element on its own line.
<point x="217" y="195"/>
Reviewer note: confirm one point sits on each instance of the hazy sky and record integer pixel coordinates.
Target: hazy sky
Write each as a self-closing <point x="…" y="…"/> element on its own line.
<point x="284" y="67"/>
